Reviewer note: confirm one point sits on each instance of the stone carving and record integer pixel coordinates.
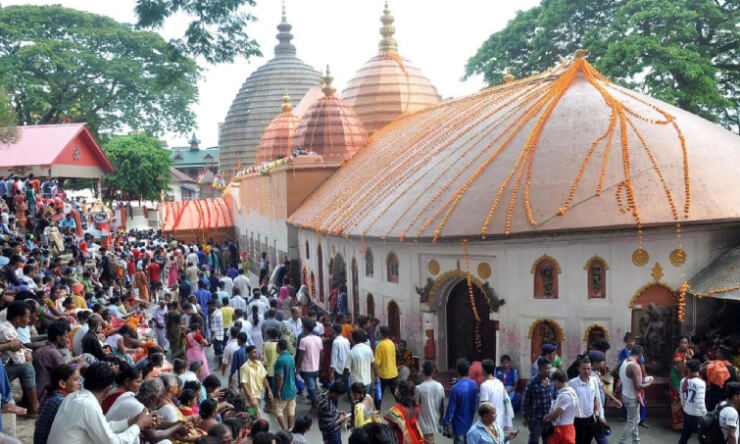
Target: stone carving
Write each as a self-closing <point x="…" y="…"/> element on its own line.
<point x="425" y="292"/>
<point x="493" y="300"/>
<point x="596" y="279"/>
<point x="547" y="274"/>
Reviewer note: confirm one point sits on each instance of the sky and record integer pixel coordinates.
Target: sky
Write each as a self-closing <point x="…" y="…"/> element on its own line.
<point x="436" y="36"/>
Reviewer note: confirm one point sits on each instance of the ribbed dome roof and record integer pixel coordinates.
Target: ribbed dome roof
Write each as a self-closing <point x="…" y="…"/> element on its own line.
<point x="330" y="127"/>
<point x="277" y="139"/>
<point x="259" y="100"/>
<point x="388" y="85"/>
<point x="564" y="150"/>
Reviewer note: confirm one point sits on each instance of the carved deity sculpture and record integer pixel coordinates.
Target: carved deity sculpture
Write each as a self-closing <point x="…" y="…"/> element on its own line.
<point x="547" y="274"/>
<point x="596" y="271"/>
<point x="654" y="333"/>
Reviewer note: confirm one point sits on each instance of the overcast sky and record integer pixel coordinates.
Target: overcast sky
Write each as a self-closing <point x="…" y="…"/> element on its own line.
<point x="437" y="36"/>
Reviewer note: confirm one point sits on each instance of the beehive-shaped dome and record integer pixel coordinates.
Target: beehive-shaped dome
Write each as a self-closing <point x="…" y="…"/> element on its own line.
<point x="260" y="99"/>
<point x="277" y="139"/>
<point x="565" y="150"/>
<point x="388" y="85"/>
<point x="330" y="128"/>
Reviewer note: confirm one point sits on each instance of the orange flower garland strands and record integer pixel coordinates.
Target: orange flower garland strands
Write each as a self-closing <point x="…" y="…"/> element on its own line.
<point x="471" y="295"/>
<point x="682" y="301"/>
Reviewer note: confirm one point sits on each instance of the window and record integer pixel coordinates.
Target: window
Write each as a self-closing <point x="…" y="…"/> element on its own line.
<point x="369" y="265"/>
<point x="596" y="268"/>
<point x="308" y="252"/>
<point x="546" y="270"/>
<point x="392" y="267"/>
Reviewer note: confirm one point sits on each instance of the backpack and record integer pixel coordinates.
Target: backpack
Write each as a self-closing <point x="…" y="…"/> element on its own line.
<point x="709" y="429"/>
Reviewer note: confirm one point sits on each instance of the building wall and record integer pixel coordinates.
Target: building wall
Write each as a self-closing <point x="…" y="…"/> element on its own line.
<point x="511" y="262"/>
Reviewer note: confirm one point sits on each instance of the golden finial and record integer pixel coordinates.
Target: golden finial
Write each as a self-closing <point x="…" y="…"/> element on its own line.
<point x="387" y="43"/>
<point x="287" y="106"/>
<point x="580" y="53"/>
<point x="285" y="14"/>
<point x="327" y="80"/>
<point x="508" y="76"/>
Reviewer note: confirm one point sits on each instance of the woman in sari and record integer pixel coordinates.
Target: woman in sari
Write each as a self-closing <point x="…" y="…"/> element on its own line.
<point x="402" y="417"/>
<point x="682" y="354"/>
<point x="196" y="342"/>
<point x="172" y="273"/>
<point x="175" y="331"/>
<point x="141" y="282"/>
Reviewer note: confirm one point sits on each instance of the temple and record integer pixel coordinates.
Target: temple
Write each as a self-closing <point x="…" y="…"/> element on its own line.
<point x="559" y="207"/>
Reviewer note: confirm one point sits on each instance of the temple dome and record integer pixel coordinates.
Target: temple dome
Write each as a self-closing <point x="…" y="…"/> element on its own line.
<point x="388" y="85"/>
<point x="277" y="139"/>
<point x="259" y="100"/>
<point x="330" y="127"/>
<point x="565" y="150"/>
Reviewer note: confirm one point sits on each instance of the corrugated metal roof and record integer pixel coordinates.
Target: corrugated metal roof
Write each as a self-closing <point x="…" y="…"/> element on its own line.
<point x="42" y="144"/>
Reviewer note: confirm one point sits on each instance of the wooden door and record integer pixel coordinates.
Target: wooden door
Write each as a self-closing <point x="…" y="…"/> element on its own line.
<point x="461" y="326"/>
<point x="394" y="320"/>
<point x="370" y="306"/>
<point x="355" y="290"/>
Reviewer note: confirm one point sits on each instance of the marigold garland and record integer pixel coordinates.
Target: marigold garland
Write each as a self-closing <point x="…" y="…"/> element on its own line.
<point x="471" y="295"/>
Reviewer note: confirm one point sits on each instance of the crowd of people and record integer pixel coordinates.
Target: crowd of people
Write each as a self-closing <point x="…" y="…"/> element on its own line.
<point x="139" y="338"/>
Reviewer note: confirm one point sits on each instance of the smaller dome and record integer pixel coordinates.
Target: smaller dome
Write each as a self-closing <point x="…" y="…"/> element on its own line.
<point x="277" y="139"/>
<point x="330" y="128"/>
<point x="388" y="85"/>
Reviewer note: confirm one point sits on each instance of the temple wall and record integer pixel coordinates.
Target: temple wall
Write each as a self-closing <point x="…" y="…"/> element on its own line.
<point x="511" y="262"/>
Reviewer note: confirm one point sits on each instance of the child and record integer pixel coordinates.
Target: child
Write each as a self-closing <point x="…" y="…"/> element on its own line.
<point x="301" y="427"/>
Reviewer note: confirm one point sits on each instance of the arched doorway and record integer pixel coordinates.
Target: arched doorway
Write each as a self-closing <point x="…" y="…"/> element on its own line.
<point x="320" y="257"/>
<point x="542" y="332"/>
<point x="355" y="290"/>
<point x="337" y="277"/>
<point x="461" y="326"/>
<point x="655" y="324"/>
<point x="370" y="302"/>
<point x="394" y="320"/>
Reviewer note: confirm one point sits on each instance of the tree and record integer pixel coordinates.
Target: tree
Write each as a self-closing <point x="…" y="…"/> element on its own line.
<point x="216" y="33"/>
<point x="61" y="64"/>
<point x="142" y="166"/>
<point x="8" y="119"/>
<point x="684" y="52"/>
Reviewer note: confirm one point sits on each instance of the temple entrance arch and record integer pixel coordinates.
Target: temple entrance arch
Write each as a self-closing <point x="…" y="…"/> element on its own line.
<point x="394" y="320"/>
<point x="355" y="291"/>
<point x="320" y="258"/>
<point x="337" y="277"/>
<point x="370" y="305"/>
<point x="466" y="337"/>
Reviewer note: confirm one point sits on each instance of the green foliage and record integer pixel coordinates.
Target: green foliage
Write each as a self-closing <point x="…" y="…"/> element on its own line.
<point x="58" y="63"/>
<point x="8" y="119"/>
<point x="684" y="52"/>
<point x="142" y="166"/>
<point x="216" y="32"/>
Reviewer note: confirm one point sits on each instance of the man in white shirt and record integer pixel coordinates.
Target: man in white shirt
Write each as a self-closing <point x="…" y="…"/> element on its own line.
<point x="360" y="359"/>
<point x="294" y="323"/>
<point x="241" y="281"/>
<point x="231" y="347"/>
<point x="430" y="395"/>
<point x="82" y="317"/>
<point x="692" y="392"/>
<point x="227" y="282"/>
<point x="80" y="418"/>
<point x="563" y="410"/>
<point x="339" y="351"/>
<point x="492" y="390"/>
<point x="728" y="417"/>
<point x="589" y="401"/>
<point x="237" y="301"/>
<point x="257" y="299"/>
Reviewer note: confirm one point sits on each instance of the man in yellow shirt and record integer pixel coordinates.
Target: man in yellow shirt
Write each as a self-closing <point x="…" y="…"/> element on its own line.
<point x="385" y="363"/>
<point x="228" y="313"/>
<point x="254" y="381"/>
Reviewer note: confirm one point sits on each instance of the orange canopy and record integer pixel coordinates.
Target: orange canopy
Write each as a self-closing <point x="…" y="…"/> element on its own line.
<point x="197" y="220"/>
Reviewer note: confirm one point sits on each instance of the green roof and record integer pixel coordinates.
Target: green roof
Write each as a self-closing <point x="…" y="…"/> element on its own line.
<point x="188" y="157"/>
